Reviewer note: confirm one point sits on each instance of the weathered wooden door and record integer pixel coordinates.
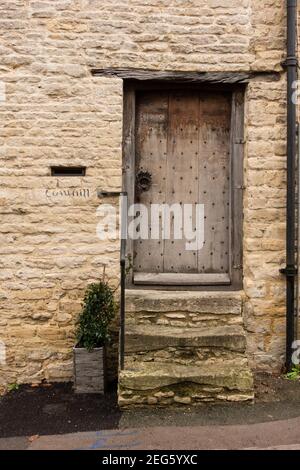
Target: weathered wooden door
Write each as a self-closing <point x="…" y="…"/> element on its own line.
<point x="183" y="156"/>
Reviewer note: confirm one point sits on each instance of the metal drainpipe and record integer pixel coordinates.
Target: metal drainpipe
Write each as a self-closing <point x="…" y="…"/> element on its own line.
<point x="291" y="271"/>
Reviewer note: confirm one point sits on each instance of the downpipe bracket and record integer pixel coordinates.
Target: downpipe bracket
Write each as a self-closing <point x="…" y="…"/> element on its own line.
<point x="289" y="271"/>
<point x="291" y="61"/>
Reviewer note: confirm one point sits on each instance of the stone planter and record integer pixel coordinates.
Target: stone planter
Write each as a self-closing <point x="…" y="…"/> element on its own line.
<point x="89" y="370"/>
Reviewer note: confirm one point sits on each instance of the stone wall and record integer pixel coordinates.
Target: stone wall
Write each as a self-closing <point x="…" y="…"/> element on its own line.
<point x="50" y="250"/>
<point x="264" y="226"/>
<point x="54" y="113"/>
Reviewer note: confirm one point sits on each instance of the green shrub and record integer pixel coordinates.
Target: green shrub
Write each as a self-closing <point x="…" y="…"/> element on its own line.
<point x="13" y="387"/>
<point x="98" y="310"/>
<point x="294" y="374"/>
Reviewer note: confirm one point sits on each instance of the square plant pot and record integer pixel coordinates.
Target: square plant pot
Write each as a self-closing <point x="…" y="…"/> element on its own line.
<point x="89" y="370"/>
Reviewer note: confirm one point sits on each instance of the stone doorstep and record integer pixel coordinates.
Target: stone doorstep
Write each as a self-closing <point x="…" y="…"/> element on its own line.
<point x="229" y="375"/>
<point x="167" y="385"/>
<point x="144" y="338"/>
<point x="181" y="302"/>
<point x="179" y="400"/>
<point x="146" y="376"/>
<point x="189" y="321"/>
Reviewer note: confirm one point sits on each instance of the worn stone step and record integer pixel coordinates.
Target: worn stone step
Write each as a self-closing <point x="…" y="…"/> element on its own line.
<point x="152" y="337"/>
<point x="184" y="308"/>
<point x="170" y="384"/>
<point x="150" y="343"/>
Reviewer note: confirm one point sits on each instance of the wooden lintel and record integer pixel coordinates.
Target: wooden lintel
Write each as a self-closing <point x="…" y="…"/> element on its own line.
<point x="188" y="77"/>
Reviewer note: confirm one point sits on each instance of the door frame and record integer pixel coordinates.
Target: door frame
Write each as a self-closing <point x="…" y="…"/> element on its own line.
<point x="237" y="144"/>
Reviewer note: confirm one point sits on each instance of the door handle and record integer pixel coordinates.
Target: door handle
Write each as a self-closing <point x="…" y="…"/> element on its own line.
<point x="143" y="181"/>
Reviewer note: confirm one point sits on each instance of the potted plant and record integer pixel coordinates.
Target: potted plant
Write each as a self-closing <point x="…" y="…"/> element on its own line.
<point x="98" y="310"/>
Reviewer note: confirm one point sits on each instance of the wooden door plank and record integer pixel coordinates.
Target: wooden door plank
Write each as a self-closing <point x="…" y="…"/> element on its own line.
<point x="151" y="155"/>
<point x="180" y="279"/>
<point x="214" y="181"/>
<point x="182" y="174"/>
